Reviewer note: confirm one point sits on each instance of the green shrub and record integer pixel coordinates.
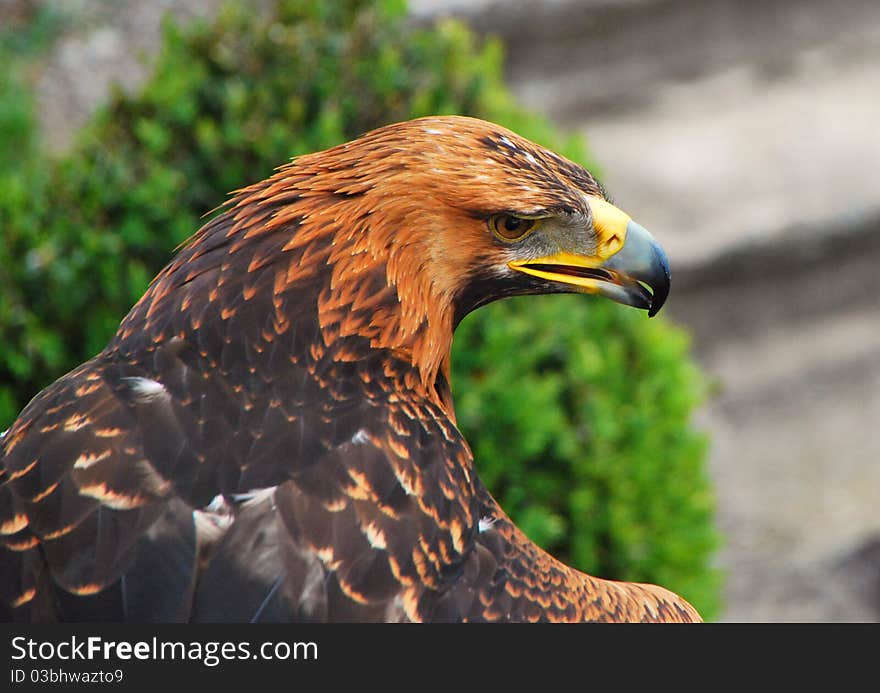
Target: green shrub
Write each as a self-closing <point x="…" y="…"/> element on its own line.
<point x="578" y="409"/>
<point x="25" y="342"/>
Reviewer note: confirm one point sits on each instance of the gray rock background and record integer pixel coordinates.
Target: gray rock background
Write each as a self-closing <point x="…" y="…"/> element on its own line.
<point x="746" y="136"/>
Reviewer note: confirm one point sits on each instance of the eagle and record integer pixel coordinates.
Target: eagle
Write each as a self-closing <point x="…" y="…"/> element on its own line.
<point x="270" y="435"/>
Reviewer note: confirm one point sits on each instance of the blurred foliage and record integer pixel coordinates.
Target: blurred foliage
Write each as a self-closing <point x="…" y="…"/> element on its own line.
<point x="578" y="409"/>
<point x="21" y="41"/>
<point x="22" y="194"/>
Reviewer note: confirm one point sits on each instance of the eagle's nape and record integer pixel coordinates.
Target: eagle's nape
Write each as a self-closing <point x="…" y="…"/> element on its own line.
<point x="270" y="436"/>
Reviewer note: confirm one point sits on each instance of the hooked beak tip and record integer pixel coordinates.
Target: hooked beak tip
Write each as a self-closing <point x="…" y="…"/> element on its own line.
<point x="642" y="259"/>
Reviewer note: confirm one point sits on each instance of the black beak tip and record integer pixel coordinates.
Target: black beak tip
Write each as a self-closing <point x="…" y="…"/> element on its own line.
<point x="662" y="280"/>
<point x="656" y="304"/>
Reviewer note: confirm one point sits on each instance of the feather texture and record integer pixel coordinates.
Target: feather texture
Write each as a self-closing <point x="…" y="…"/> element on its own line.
<point x="270" y="435"/>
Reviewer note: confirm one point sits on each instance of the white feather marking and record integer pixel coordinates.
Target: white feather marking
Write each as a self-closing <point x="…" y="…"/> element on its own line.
<point x="217" y="504"/>
<point x="4" y="433"/>
<point x="325" y="554"/>
<point x="212" y="521"/>
<point x="145" y="389"/>
<point x="486" y="523"/>
<point x="87" y="459"/>
<point x="360" y="437"/>
<point x="375" y="536"/>
<point x="255" y="495"/>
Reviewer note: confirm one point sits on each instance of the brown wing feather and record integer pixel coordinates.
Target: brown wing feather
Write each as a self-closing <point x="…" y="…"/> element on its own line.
<point x="84" y="490"/>
<point x="530" y="585"/>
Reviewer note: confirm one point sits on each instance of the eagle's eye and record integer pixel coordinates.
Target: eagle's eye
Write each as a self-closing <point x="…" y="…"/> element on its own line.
<point x="508" y="227"/>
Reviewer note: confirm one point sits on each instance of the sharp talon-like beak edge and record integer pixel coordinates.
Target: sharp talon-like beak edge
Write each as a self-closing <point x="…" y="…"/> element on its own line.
<point x="642" y="261"/>
<point x="636" y="275"/>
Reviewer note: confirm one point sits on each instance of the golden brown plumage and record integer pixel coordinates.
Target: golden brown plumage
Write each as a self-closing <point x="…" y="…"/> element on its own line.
<point x="271" y="433"/>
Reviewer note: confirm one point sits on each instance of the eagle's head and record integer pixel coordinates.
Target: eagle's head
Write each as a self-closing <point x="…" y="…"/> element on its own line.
<point x="394" y="237"/>
<point x="484" y="213"/>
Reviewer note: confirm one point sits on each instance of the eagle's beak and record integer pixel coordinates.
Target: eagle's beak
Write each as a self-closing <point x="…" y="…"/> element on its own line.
<point x="629" y="266"/>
